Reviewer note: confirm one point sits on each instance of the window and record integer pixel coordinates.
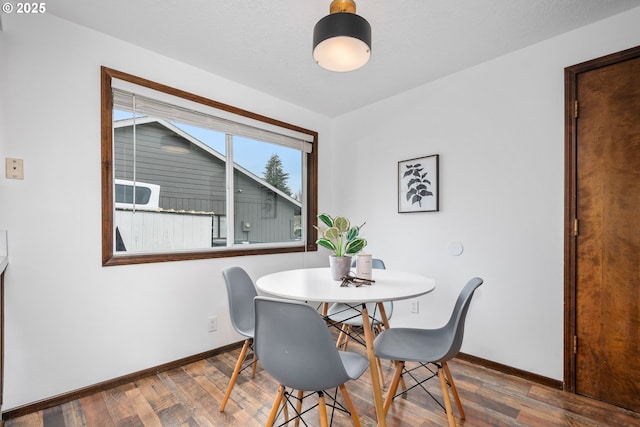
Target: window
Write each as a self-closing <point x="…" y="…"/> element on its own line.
<point x="185" y="177"/>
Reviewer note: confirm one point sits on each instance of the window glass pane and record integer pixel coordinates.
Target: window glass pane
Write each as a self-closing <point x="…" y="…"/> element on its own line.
<point x="267" y="196"/>
<point x="185" y="167"/>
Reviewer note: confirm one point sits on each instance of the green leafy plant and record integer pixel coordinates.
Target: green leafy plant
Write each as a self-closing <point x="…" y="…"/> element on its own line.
<point x="339" y="236"/>
<point x="417" y="185"/>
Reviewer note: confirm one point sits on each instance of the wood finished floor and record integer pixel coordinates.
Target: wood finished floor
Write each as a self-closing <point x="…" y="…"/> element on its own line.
<point x="190" y="396"/>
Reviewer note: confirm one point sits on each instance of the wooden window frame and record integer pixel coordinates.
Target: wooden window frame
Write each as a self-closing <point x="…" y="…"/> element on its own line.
<point x="109" y="258"/>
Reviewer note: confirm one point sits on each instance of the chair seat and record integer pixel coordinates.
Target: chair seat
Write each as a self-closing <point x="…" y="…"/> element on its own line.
<point x="354" y="364"/>
<point x="348" y="315"/>
<point x="247" y="332"/>
<point x="410" y="344"/>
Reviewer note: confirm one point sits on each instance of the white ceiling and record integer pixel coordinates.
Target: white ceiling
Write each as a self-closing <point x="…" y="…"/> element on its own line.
<point x="266" y="45"/>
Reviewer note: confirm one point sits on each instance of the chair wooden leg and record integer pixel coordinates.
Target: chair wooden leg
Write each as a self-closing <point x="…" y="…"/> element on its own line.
<point x="454" y="389"/>
<point x="350" y="407"/>
<point x="447" y="398"/>
<point x="275" y="406"/>
<point x="403" y="383"/>
<point x="343" y="330"/>
<point x="298" y="407"/>
<point x="404" y="387"/>
<point x="377" y="329"/>
<point x="322" y="409"/>
<point x="393" y="387"/>
<point x="255" y="365"/>
<point x="381" y="374"/>
<point x="349" y="331"/>
<point x="285" y="409"/>
<point x="236" y="371"/>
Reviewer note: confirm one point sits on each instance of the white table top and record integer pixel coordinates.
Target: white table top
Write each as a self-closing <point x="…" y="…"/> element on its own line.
<point x="315" y="284"/>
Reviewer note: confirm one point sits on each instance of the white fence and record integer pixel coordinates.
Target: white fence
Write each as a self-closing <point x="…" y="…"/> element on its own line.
<point x="144" y="231"/>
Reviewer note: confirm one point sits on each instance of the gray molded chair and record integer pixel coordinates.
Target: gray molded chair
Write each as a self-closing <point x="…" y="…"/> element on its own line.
<point x="240" y="291"/>
<point x="435" y="346"/>
<point x="295" y="347"/>
<point x="349" y="317"/>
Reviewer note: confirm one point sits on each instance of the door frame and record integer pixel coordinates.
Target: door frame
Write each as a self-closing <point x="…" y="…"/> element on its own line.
<point x="570" y="202"/>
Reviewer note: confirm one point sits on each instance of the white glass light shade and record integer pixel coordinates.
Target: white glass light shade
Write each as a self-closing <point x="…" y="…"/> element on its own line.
<point x="342" y="54"/>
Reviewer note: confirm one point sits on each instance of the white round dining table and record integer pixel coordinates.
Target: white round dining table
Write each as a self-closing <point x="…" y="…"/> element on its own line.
<point x="316" y="284"/>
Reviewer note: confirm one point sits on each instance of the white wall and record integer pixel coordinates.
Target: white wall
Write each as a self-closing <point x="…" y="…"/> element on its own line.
<point x="71" y="323"/>
<point x="498" y="128"/>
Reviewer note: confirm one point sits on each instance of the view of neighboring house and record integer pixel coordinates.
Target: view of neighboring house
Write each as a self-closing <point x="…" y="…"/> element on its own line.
<point x="192" y="192"/>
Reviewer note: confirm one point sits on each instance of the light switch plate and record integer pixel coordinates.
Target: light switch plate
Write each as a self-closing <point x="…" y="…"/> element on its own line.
<point x="15" y="168"/>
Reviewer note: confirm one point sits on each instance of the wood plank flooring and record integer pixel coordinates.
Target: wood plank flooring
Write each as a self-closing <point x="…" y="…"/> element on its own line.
<point x="190" y="396"/>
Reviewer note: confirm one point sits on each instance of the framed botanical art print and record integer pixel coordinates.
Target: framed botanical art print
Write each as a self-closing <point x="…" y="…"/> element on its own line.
<point x="418" y="184"/>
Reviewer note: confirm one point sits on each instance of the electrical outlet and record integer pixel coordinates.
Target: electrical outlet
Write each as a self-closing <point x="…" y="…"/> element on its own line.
<point x="414" y="306"/>
<point x="15" y="168"/>
<point x="213" y="323"/>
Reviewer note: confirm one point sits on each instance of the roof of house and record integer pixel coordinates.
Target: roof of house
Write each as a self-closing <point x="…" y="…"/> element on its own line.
<point x="207" y="149"/>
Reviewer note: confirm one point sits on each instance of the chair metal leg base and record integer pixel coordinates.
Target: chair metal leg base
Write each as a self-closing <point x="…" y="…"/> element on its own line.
<point x="446" y="382"/>
<point x="283" y="398"/>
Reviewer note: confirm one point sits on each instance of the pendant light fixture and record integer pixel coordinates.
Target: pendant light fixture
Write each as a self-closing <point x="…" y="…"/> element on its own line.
<point x="342" y="39"/>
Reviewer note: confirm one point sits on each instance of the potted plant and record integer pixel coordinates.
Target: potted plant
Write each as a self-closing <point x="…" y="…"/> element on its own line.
<point x="341" y="238"/>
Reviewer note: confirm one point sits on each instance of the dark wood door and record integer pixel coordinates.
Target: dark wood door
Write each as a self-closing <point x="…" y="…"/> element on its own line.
<point x="607" y="233"/>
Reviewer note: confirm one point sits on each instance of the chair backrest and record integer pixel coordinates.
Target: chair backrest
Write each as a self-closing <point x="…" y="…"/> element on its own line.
<point x="240" y="291"/>
<point x="455" y="326"/>
<point x="294" y="345"/>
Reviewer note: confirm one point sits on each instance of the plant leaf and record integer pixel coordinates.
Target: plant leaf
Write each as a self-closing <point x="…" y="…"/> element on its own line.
<point x="332" y="233"/>
<point x="326" y="243"/>
<point x="342" y="224"/>
<point x="355" y="246"/>
<point x="326" y="219"/>
<point x="352" y="233"/>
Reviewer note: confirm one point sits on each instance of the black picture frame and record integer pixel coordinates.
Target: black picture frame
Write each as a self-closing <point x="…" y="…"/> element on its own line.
<point x="418" y="184"/>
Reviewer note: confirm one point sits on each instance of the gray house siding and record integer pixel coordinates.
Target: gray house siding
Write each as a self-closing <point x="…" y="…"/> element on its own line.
<point x="258" y="205"/>
<point x="191" y="181"/>
<point x="195" y="181"/>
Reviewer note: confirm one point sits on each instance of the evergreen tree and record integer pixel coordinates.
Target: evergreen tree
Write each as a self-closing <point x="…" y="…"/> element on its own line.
<point x="275" y="175"/>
